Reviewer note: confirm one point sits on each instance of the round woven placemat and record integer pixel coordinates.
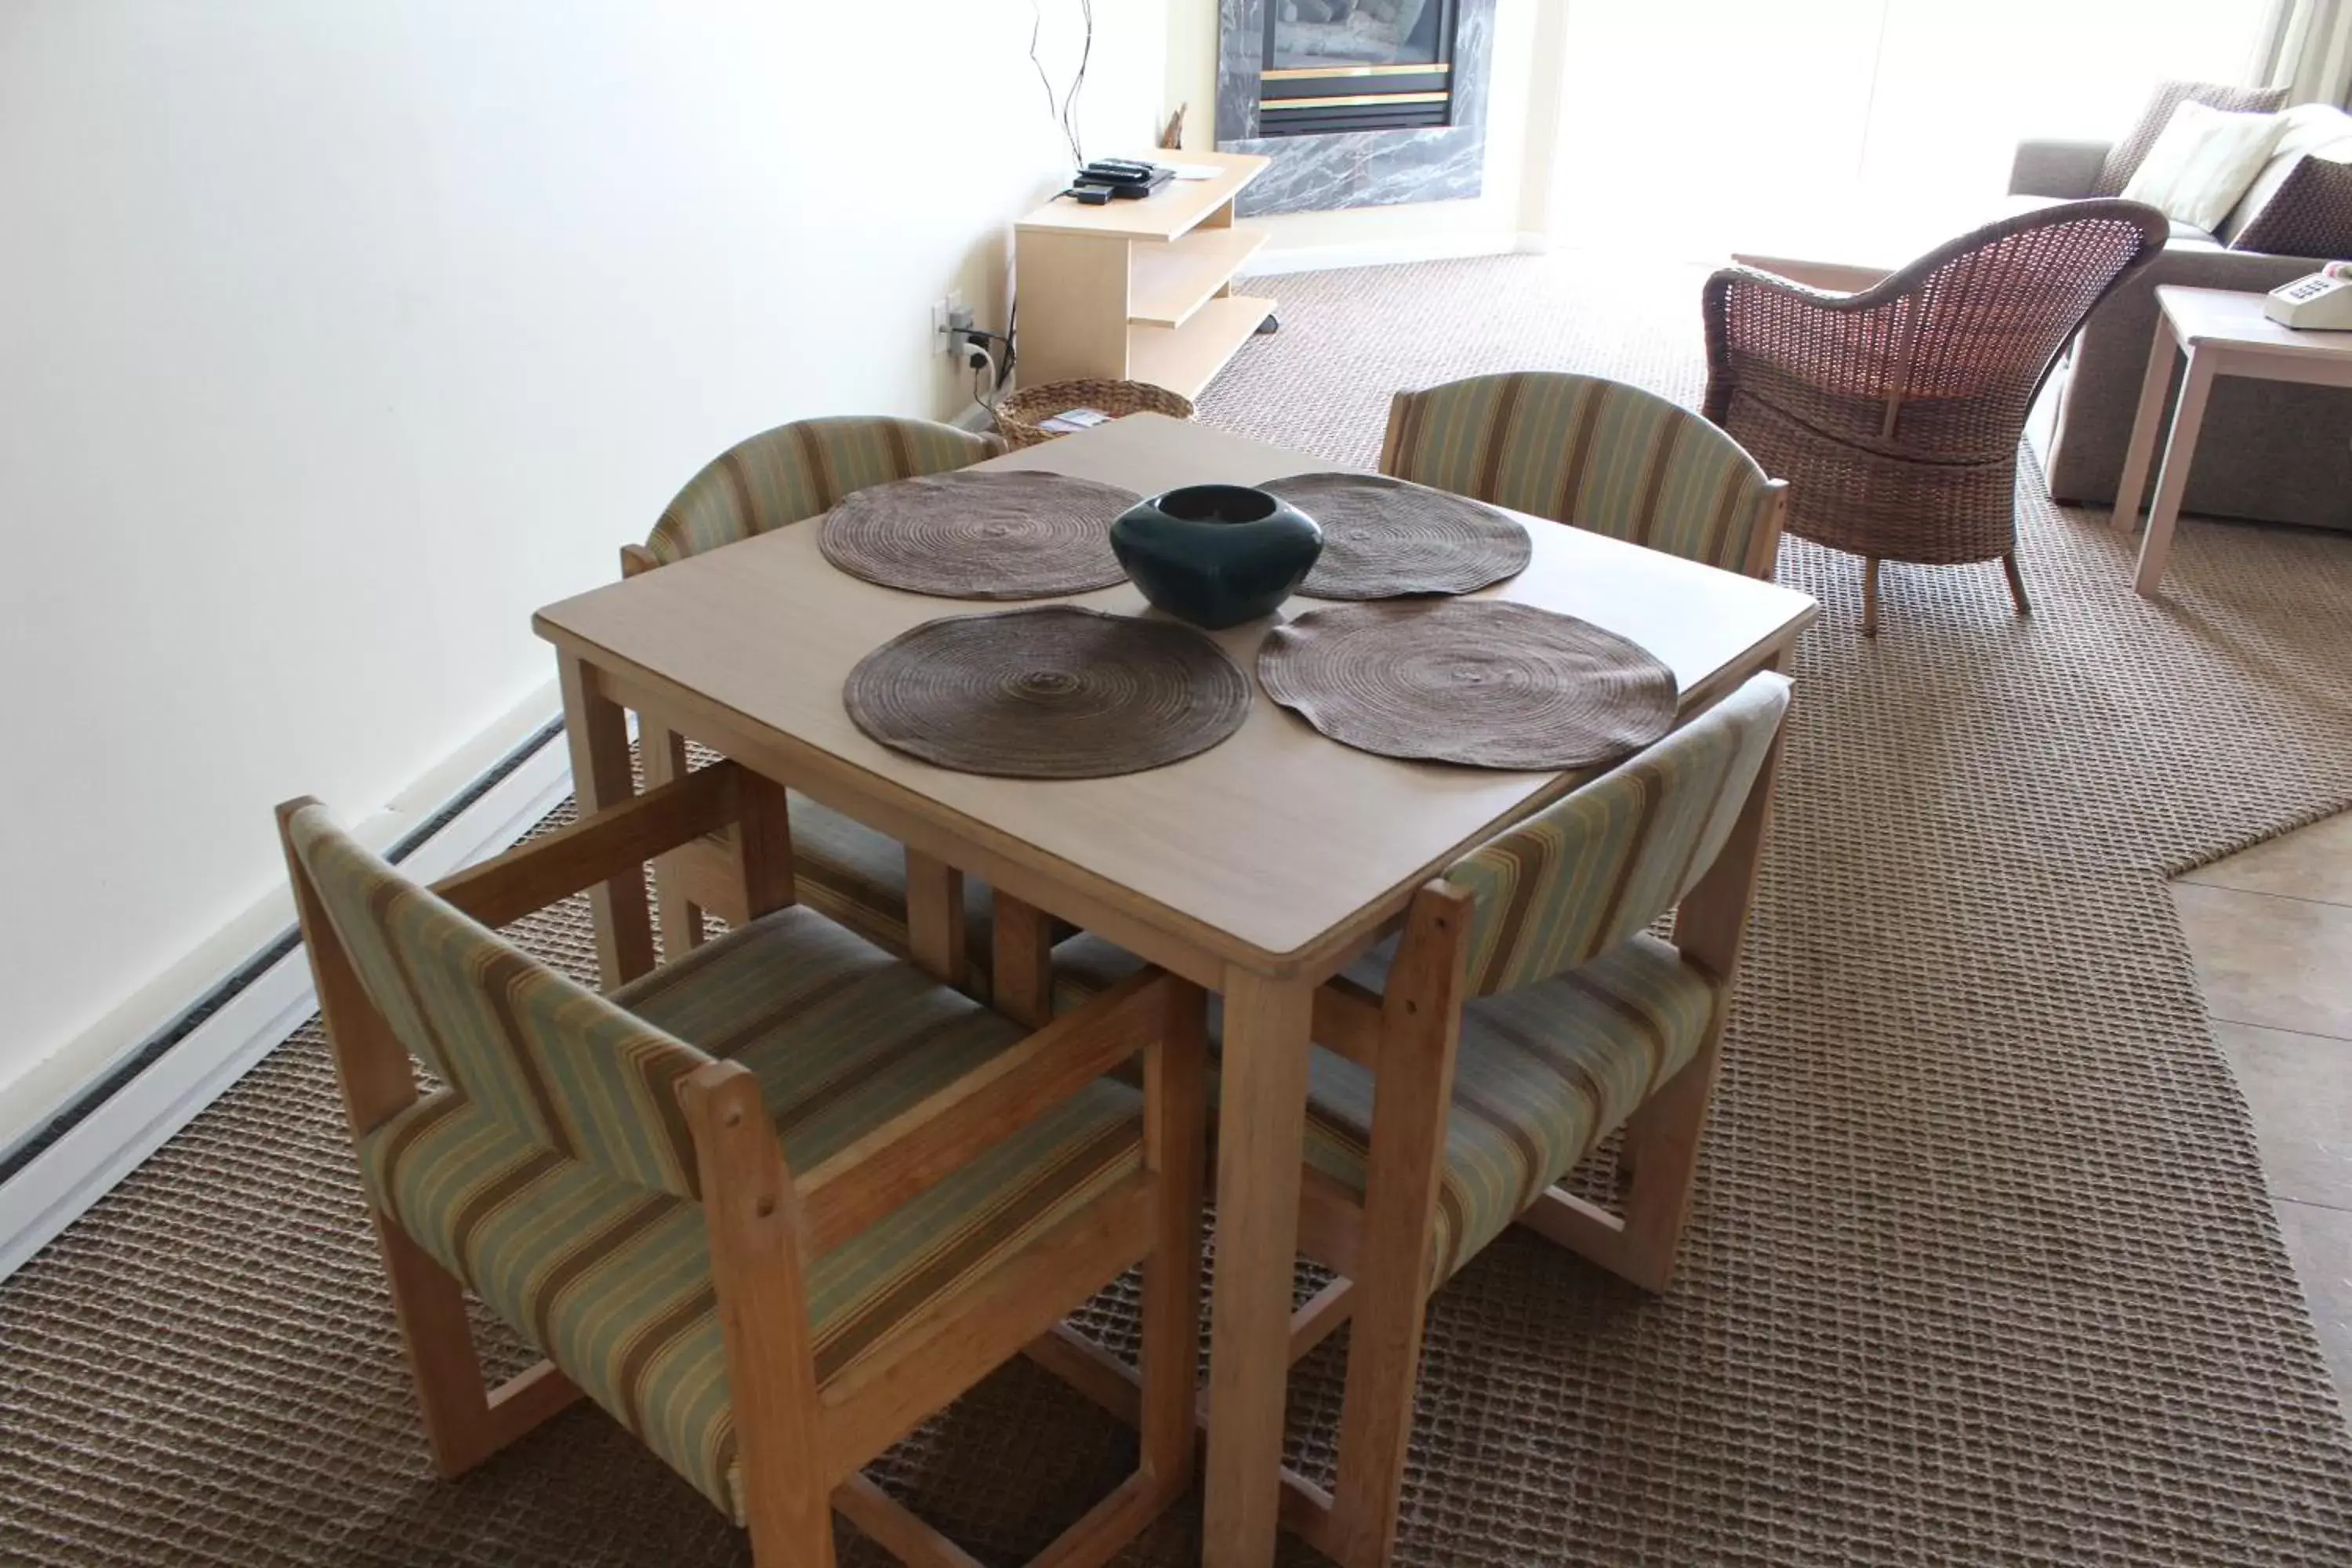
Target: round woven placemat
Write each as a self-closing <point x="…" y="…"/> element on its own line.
<point x="1056" y="693"/>
<point x="1383" y="538"/>
<point x="1022" y="534"/>
<point x="1480" y="682"/>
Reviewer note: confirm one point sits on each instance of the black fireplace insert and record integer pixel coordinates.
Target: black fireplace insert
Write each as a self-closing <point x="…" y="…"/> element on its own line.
<point x="1355" y="65"/>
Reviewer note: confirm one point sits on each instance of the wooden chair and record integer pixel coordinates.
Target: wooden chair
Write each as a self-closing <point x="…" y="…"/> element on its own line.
<point x="766" y="1312"/>
<point x="1598" y="454"/>
<point x="780" y="476"/>
<point x="1896" y="413"/>
<point x="1523" y="1014"/>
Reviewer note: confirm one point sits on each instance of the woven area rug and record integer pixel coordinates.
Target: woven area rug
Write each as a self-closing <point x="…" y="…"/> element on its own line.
<point x="1981" y="1270"/>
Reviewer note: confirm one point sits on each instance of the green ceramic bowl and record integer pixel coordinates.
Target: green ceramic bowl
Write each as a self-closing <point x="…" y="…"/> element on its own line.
<point x="1216" y="555"/>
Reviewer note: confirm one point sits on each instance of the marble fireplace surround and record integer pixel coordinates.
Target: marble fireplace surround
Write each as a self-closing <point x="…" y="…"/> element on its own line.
<point x="1354" y="168"/>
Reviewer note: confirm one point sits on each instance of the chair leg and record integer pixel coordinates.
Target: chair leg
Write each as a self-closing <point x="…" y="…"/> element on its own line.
<point x="664" y="752"/>
<point x="451" y="1397"/>
<point x="1663" y="1137"/>
<point x="754" y="1219"/>
<point x="1176" y="1089"/>
<point x="1870" y="597"/>
<point x="2016" y="583"/>
<point x="1421" y="1027"/>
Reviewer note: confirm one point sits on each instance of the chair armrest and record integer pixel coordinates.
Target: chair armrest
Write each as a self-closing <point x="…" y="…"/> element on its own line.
<point x="2053" y="167"/>
<point x="900" y="1160"/>
<point x="548" y="870"/>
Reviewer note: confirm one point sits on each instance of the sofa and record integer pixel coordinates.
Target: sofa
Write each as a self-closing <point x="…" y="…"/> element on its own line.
<point x="2270" y="451"/>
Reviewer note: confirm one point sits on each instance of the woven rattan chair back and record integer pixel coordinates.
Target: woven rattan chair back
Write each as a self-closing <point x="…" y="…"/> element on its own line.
<point x="1895" y="413"/>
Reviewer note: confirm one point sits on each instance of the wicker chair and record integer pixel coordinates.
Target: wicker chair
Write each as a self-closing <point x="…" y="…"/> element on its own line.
<point x="1895" y="413"/>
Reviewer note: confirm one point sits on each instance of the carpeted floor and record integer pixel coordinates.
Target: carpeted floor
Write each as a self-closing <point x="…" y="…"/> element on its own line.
<point x="1982" y="1270"/>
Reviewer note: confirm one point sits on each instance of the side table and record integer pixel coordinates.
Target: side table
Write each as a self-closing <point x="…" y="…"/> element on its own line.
<point x="1140" y="290"/>
<point x="2223" y="333"/>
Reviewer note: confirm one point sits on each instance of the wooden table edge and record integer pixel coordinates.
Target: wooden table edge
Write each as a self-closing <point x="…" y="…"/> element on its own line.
<point x="1038" y="875"/>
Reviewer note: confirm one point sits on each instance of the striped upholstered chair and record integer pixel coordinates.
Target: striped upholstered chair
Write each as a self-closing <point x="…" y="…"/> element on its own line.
<point x="1525" y="1013"/>
<point x="1598" y="454"/>
<point x="777" y="478"/>
<point x="769" y="1205"/>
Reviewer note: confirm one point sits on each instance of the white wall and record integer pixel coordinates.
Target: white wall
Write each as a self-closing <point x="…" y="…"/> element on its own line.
<point x="336" y="338"/>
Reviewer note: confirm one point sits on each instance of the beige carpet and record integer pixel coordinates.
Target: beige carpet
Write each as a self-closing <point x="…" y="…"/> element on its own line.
<point x="1981" y="1271"/>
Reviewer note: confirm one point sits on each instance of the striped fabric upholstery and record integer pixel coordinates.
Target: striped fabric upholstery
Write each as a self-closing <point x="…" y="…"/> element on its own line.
<point x="556" y="1067"/>
<point x="1591" y="870"/>
<point x="799" y="470"/>
<point x="613" y="1283"/>
<point x="1543" y="1074"/>
<point x="847" y="871"/>
<point x="1598" y="454"/>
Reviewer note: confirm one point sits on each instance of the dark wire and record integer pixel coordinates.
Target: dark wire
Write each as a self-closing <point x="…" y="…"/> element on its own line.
<point x="1062" y="111"/>
<point x="1069" y="104"/>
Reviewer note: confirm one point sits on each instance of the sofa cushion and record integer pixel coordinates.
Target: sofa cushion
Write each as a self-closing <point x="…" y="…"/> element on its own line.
<point x="2203" y="163"/>
<point x="2310" y="216"/>
<point x="2319" y="129"/>
<point x="2124" y="157"/>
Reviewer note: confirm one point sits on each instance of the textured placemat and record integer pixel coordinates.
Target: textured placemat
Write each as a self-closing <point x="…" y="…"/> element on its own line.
<point x="969" y="534"/>
<point x="1383" y="537"/>
<point x="1480" y="682"/>
<point x="1056" y="693"/>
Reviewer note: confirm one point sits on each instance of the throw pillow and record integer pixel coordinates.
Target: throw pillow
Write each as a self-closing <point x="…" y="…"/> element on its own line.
<point x="2310" y="216"/>
<point x="2203" y="163"/>
<point x="2318" y="129"/>
<point x="2124" y="157"/>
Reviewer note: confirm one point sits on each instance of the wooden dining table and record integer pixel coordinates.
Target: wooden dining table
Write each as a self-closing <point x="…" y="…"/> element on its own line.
<point x="1257" y="869"/>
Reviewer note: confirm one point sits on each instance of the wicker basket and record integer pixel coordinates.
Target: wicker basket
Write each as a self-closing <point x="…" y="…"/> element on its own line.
<point x="1017" y="416"/>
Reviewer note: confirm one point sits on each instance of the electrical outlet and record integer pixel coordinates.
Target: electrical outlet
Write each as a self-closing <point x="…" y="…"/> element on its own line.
<point x="950" y="317"/>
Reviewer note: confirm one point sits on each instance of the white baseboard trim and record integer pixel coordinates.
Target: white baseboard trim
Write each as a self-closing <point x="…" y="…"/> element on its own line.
<point x="1436" y="247"/>
<point x="58" y="1186"/>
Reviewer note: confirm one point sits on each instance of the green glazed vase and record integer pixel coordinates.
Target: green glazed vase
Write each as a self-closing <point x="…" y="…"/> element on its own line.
<point x="1216" y="555"/>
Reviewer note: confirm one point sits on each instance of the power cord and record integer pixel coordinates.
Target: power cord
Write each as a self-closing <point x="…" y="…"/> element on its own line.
<point x="1064" y="110"/>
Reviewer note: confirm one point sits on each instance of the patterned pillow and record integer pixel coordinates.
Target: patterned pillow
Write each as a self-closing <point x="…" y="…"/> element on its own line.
<point x="2124" y="157"/>
<point x="2311" y="214"/>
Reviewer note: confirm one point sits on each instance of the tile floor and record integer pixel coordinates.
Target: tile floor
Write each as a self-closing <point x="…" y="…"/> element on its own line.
<point x="2272" y="933"/>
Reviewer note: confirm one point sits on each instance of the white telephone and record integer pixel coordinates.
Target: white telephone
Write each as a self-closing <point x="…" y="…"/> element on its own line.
<point x="2323" y="300"/>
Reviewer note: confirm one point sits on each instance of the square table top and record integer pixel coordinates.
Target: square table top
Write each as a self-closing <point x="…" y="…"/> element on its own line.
<point x="1274" y="846"/>
<point x="2232" y="318"/>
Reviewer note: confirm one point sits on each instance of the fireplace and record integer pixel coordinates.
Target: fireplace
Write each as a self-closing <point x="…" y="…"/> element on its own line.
<point x="1355" y="65"/>
<point x="1358" y="103"/>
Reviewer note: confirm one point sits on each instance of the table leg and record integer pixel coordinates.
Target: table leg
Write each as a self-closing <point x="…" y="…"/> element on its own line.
<point x="2172" y="479"/>
<point x="2133" y="481"/>
<point x="1261" y="1126"/>
<point x="664" y="753"/>
<point x="599" y="734"/>
<point x="1022" y="983"/>
<point x="935" y="931"/>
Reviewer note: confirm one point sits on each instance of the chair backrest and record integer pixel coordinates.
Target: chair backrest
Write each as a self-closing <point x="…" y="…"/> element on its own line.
<point x="1942" y="358"/>
<point x="1598" y="454"/>
<point x="801" y="469"/>
<point x="1591" y="869"/>
<point x="553" y="1060"/>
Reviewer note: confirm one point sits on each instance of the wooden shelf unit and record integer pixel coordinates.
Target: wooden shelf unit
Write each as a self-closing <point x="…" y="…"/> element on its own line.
<point x="1140" y="290"/>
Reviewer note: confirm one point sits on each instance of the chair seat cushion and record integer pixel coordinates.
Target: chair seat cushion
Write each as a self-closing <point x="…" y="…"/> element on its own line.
<point x="1544" y="1072"/>
<point x="847" y="871"/>
<point x="612" y="1282"/>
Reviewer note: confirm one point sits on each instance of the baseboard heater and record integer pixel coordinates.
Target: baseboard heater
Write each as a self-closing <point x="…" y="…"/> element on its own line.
<point x="36" y="1141"/>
